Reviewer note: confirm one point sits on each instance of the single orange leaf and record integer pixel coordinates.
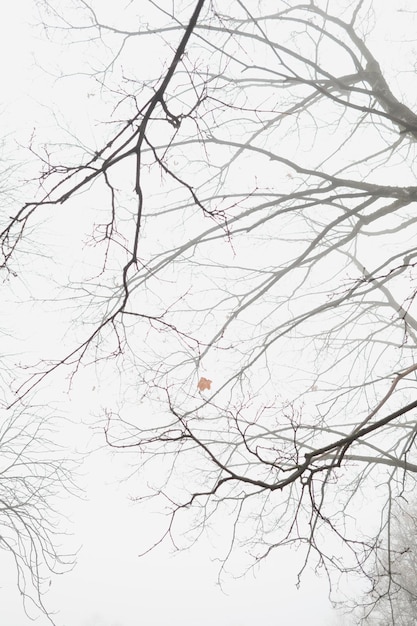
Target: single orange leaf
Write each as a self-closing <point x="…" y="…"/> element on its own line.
<point x="204" y="383"/>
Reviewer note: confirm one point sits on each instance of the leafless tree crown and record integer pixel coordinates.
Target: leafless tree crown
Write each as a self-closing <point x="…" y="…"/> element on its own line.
<point x="244" y="237"/>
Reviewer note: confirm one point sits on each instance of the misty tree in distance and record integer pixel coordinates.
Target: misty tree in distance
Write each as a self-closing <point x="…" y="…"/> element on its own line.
<point x="396" y="571"/>
<point x="34" y="470"/>
<point x="245" y="217"/>
<point x="32" y="473"/>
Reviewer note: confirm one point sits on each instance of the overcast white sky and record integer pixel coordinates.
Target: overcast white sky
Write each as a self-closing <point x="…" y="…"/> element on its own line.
<point x="111" y="585"/>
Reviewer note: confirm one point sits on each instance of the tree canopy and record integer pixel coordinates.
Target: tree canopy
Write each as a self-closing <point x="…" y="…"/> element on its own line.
<point x="228" y="252"/>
